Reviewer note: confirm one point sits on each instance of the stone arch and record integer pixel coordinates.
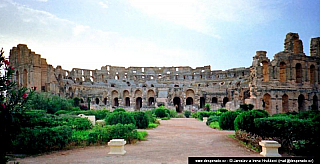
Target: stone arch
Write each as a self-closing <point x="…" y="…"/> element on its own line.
<point x="285" y="103"/>
<point x="312" y="74"/>
<point x="301" y="103"/>
<point x="25" y="78"/>
<point x="214" y="100"/>
<point x="202" y="102"/>
<point x="177" y="104"/>
<point x="283" y="74"/>
<point x="225" y="100"/>
<point x="150" y="95"/>
<point x="138" y="103"/>
<point x="115" y="98"/>
<point x="81" y="100"/>
<point x="127" y="101"/>
<point x="97" y="101"/>
<point x="189" y="101"/>
<point x="138" y="93"/>
<point x="265" y="71"/>
<point x="190" y="93"/>
<point x="298" y="73"/>
<point x="315" y="102"/>
<point x="105" y="101"/>
<point x="267" y="102"/>
<point x="126" y="98"/>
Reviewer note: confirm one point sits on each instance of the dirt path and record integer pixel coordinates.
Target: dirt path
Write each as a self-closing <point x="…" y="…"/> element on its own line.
<point x="172" y="142"/>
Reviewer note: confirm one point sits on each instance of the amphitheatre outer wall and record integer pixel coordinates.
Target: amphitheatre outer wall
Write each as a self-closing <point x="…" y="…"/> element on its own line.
<point x="289" y="82"/>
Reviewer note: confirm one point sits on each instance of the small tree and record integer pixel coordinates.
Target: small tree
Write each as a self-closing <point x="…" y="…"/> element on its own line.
<point x="12" y="100"/>
<point x="207" y="107"/>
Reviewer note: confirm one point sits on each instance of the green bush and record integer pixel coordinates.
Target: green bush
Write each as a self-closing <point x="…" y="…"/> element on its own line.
<point x="62" y="112"/>
<point x="194" y="114"/>
<point x="212" y="119"/>
<point x="187" y="113"/>
<point x="207" y="107"/>
<point x="152" y="125"/>
<point x="119" y="110"/>
<point x="297" y="135"/>
<point x="214" y="125"/>
<point x="226" y="120"/>
<point x="173" y="113"/>
<point x="38" y="139"/>
<point x="151" y="116"/>
<point x="78" y="123"/>
<point x="245" y="120"/>
<point x="141" y="119"/>
<point x="202" y="114"/>
<point x="246" y="107"/>
<point x="120" y="117"/>
<point x="100" y="114"/>
<point x="162" y="112"/>
<point x="222" y="110"/>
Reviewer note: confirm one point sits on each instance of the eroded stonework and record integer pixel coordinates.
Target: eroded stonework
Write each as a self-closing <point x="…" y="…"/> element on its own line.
<point x="289" y="82"/>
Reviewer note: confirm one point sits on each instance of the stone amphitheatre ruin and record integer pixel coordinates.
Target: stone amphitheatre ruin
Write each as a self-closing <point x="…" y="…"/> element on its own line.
<point x="289" y="82"/>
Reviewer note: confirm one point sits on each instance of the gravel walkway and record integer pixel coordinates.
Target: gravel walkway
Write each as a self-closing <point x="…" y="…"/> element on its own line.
<point x="171" y="142"/>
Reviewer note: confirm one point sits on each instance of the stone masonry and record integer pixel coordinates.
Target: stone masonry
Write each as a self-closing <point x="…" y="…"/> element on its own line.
<point x="289" y="82"/>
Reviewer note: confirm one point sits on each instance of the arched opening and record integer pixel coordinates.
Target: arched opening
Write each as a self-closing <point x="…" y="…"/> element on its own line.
<point x="189" y="101"/>
<point x="283" y="72"/>
<point x="301" y="103"/>
<point x="25" y="78"/>
<point x="214" y="100"/>
<point x="138" y="103"/>
<point x="150" y="101"/>
<point x="82" y="101"/>
<point x="116" y="102"/>
<point x="127" y="101"/>
<point x="115" y="98"/>
<point x="315" y="104"/>
<point x="298" y="73"/>
<point x="17" y="78"/>
<point x="267" y="103"/>
<point x="105" y="101"/>
<point x="225" y="100"/>
<point x="265" y="71"/>
<point x="177" y="104"/>
<point x="312" y="74"/>
<point x="285" y="103"/>
<point x="97" y="101"/>
<point x="202" y="102"/>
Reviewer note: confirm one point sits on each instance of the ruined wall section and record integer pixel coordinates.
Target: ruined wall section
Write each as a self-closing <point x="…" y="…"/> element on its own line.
<point x="292" y="79"/>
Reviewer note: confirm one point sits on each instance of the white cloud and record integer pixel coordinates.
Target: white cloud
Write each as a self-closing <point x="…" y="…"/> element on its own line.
<point x="79" y="29"/>
<point x="66" y="43"/>
<point x="203" y="16"/>
<point x="42" y="0"/>
<point x="104" y="4"/>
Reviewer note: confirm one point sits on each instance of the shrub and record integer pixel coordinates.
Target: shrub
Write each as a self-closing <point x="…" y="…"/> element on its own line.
<point x="141" y="120"/>
<point x="38" y="139"/>
<point x="180" y="115"/>
<point x="226" y="121"/>
<point x="194" y="115"/>
<point x="120" y="117"/>
<point x="300" y="135"/>
<point x="150" y="115"/>
<point x="152" y="125"/>
<point x="62" y="112"/>
<point x="141" y="135"/>
<point x="246" y="107"/>
<point x="222" y="110"/>
<point x="162" y="112"/>
<point x="202" y="114"/>
<point x="173" y="113"/>
<point x="212" y="119"/>
<point x="78" y="123"/>
<point x="245" y="121"/>
<point x="187" y="113"/>
<point x="100" y="114"/>
<point x="207" y="107"/>
<point x="119" y="110"/>
<point x="214" y="125"/>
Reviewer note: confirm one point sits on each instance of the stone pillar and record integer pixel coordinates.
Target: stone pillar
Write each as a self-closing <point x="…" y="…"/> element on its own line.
<point x="205" y="119"/>
<point x="117" y="146"/>
<point x="269" y="148"/>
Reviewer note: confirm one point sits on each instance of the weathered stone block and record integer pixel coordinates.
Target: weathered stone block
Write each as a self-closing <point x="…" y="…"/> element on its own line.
<point x="269" y="148"/>
<point x="117" y="146"/>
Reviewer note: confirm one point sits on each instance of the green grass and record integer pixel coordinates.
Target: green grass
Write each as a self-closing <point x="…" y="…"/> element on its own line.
<point x="152" y="125"/>
<point x="214" y="125"/>
<point x="142" y="135"/>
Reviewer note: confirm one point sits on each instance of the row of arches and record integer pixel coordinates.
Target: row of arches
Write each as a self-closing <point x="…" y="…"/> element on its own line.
<point x="283" y="72"/>
<point x="266" y="103"/>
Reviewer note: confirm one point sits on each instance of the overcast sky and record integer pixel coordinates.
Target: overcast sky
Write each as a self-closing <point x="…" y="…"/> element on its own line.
<point x="93" y="33"/>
